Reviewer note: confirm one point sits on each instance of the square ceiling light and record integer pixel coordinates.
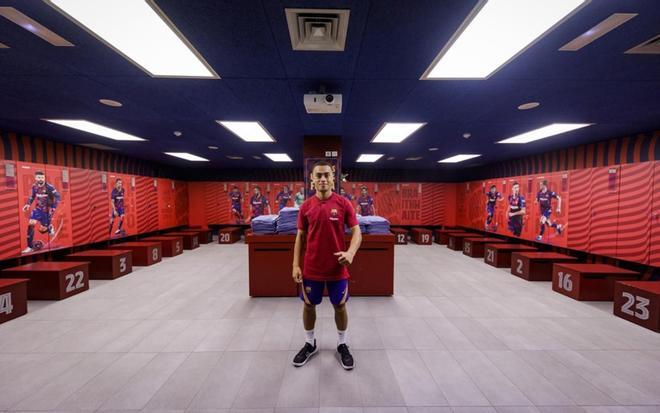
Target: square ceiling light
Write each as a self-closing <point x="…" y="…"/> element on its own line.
<point x="392" y="132"/>
<point x="545" y="132"/>
<point x="459" y="158"/>
<point x="141" y="32"/>
<point x="278" y="157"/>
<point x="495" y="33"/>
<point x="248" y="131"/>
<point x="96" y="129"/>
<point x="369" y="157"/>
<point x="187" y="156"/>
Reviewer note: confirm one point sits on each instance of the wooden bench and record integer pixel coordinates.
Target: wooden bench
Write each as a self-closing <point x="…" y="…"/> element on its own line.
<point x="474" y="247"/>
<point x="205" y="236"/>
<point x="144" y="253"/>
<point x="455" y="241"/>
<point x="230" y="235"/>
<point x="421" y="236"/>
<point x="50" y="280"/>
<point x="589" y="282"/>
<point x="442" y="235"/>
<point x="105" y="264"/>
<point x="499" y="255"/>
<point x="171" y="245"/>
<point x="13" y="298"/>
<point x="190" y="240"/>
<point x="536" y="266"/>
<point x="638" y="302"/>
<point x="400" y="236"/>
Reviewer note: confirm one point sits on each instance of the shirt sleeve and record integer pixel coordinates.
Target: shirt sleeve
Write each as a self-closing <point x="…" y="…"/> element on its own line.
<point x="350" y="219"/>
<point x="553" y="195"/>
<point x="265" y="200"/>
<point x="302" y="218"/>
<point x="522" y="202"/>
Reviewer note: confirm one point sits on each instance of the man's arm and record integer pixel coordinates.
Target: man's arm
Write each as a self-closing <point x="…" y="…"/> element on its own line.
<point x="346" y="257"/>
<point x="30" y="199"/>
<point x="558" y="204"/>
<point x="297" y="249"/>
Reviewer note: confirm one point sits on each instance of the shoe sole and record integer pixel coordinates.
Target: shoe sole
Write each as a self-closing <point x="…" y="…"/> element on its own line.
<point x="347" y="367"/>
<point x="307" y="359"/>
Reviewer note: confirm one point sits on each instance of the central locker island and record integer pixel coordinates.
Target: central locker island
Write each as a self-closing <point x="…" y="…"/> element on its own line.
<point x="271" y="256"/>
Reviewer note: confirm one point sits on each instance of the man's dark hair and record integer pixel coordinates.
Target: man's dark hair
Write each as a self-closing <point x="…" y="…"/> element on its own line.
<point x="514" y="184"/>
<point x="544" y="182"/>
<point x="258" y="187"/>
<point x="39" y="173"/>
<point x="117" y="180"/>
<point x="493" y="186"/>
<point x="321" y="163"/>
<point x="234" y="187"/>
<point x="363" y="187"/>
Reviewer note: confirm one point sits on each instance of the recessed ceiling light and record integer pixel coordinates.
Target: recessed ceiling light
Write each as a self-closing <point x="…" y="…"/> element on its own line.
<point x="494" y="33"/>
<point x="142" y="33"/>
<point x="369" y="157"/>
<point x="467" y="135"/>
<point x="433" y="149"/>
<point x="458" y="158"/>
<point x="3" y="46"/>
<point x="256" y="157"/>
<point x="598" y="31"/>
<point x="392" y="132"/>
<point x="529" y="105"/>
<point x="111" y="103"/>
<point x="187" y="156"/>
<point x="545" y="132"/>
<point x="248" y="131"/>
<point x="234" y="157"/>
<point x="213" y="147"/>
<point x="33" y="27"/>
<point x="96" y="129"/>
<point x="414" y="158"/>
<point x="177" y="133"/>
<point x="389" y="158"/>
<point x="278" y="157"/>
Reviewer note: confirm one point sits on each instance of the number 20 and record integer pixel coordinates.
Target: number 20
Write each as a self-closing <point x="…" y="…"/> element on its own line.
<point x="224" y="237"/>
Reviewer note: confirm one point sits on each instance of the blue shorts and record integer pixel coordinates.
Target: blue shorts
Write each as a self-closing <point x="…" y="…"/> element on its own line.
<point x="546" y="213"/>
<point x="40" y="216"/>
<point x="313" y="290"/>
<point x="120" y="212"/>
<point x="490" y="209"/>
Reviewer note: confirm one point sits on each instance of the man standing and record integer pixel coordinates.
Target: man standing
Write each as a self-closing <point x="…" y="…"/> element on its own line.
<point x="300" y="197"/>
<point x="365" y="203"/>
<point x="544" y="197"/>
<point x="257" y="204"/>
<point x="236" y="204"/>
<point x="47" y="199"/>
<point x="517" y="210"/>
<point x="321" y="225"/>
<point x="117" y="204"/>
<point x="283" y="197"/>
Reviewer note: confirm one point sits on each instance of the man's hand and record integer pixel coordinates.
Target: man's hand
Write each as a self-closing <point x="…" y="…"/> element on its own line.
<point x="344" y="257"/>
<point x="26" y="207"/>
<point x="559" y="210"/>
<point x="297" y="275"/>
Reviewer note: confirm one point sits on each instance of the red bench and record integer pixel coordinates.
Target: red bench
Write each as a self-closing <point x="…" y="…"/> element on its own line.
<point x="499" y="255"/>
<point x="105" y="264"/>
<point x="205" y="236"/>
<point x="190" y="240"/>
<point x="13" y="298"/>
<point x="442" y="235"/>
<point x="638" y="302"/>
<point x="230" y="235"/>
<point x="400" y="236"/>
<point x="474" y="247"/>
<point x="422" y="236"/>
<point x="145" y="253"/>
<point x="50" y="280"/>
<point x="171" y="246"/>
<point x="536" y="266"/>
<point x="455" y="241"/>
<point x="588" y="282"/>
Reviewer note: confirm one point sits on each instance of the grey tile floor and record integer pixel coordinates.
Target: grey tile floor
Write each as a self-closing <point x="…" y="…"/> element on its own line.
<point x="458" y="336"/>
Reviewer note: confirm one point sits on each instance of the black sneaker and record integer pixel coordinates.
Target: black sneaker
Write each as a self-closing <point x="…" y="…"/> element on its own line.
<point x="305" y="354"/>
<point x="345" y="357"/>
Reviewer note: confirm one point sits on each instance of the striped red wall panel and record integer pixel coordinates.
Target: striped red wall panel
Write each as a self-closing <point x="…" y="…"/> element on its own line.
<point x="10" y="242"/>
<point x="604" y="193"/>
<point x="217" y="204"/>
<point x="579" y="215"/>
<point x="90" y="206"/>
<point x="147" y="204"/>
<point x="655" y="225"/>
<point x="634" y="213"/>
<point x="181" y="202"/>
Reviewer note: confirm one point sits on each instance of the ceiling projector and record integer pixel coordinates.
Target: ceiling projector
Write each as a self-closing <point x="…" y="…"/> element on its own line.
<point x="319" y="103"/>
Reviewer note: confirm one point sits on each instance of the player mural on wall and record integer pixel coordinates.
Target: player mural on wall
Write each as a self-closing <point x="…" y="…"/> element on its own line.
<point x="117" y="198"/>
<point x="517" y="209"/>
<point x="47" y="199"/>
<point x="345" y="194"/>
<point x="365" y="203"/>
<point x="300" y="197"/>
<point x="544" y="198"/>
<point x="258" y="204"/>
<point x="236" y="198"/>
<point x="493" y="196"/>
<point x="283" y="197"/>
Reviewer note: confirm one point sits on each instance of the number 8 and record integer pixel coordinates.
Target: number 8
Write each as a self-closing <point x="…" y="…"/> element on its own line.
<point x="154" y="254"/>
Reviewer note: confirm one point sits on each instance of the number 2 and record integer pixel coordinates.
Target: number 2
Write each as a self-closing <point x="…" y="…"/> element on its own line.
<point x="642" y="306"/>
<point x="519" y="267"/>
<point x="490" y="255"/>
<point x="77" y="278"/>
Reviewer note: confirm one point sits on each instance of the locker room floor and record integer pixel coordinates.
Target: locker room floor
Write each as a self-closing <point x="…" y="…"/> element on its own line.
<point x="458" y="336"/>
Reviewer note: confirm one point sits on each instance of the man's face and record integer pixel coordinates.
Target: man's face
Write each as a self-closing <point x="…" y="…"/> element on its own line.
<point x="235" y="190"/>
<point x="285" y="189"/>
<point x="257" y="191"/>
<point x="493" y="190"/>
<point x="118" y="185"/>
<point x="301" y="190"/>
<point x="323" y="178"/>
<point x="40" y="179"/>
<point x="543" y="187"/>
<point x="516" y="189"/>
<point x="363" y="191"/>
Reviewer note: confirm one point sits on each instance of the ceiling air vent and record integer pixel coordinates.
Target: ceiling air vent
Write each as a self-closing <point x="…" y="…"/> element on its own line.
<point x="321" y="30"/>
<point x="651" y="46"/>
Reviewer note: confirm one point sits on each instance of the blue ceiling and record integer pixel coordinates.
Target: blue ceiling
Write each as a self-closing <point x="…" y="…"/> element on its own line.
<point x="390" y="44"/>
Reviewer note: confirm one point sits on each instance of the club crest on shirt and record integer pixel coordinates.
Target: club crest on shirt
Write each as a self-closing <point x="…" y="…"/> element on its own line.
<point x="334" y="214"/>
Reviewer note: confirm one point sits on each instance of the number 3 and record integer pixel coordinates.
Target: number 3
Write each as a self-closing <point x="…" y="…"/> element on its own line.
<point x="122" y="264"/>
<point x="642" y="306"/>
